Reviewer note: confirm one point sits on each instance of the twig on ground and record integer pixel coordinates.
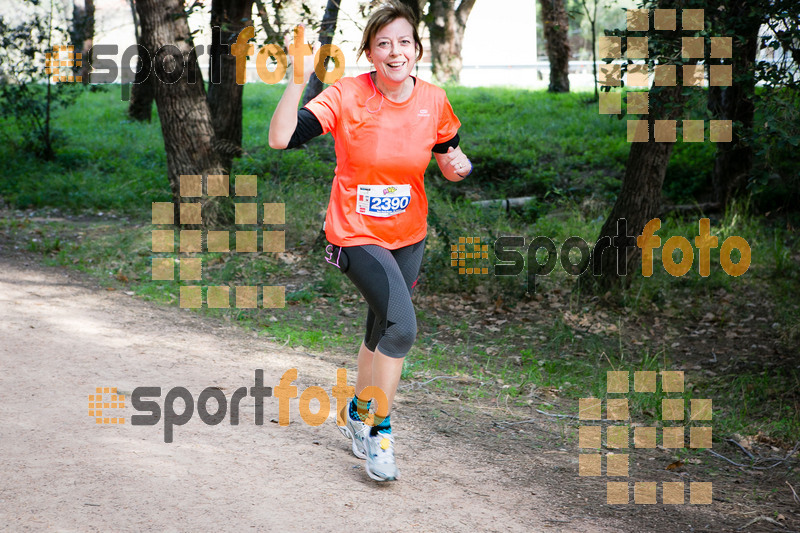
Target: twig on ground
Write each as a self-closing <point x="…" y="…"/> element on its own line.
<point x="556" y="415"/>
<point x="734" y="463"/>
<point x="759" y="519"/>
<point x="288" y="338"/>
<point x="530" y="421"/>
<point x="779" y="461"/>
<point x="753" y="467"/>
<point x="794" y="494"/>
<point x="419" y="385"/>
<point x="745" y="450"/>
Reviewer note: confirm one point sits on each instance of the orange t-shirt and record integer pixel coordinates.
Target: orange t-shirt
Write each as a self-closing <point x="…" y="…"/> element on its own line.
<point x="382" y="148"/>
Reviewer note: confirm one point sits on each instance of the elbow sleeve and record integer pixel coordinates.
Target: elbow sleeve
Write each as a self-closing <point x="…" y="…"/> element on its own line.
<point x="308" y="127"/>
<point x="442" y="148"/>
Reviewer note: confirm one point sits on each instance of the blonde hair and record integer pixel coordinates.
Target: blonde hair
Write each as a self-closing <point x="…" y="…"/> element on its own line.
<point x="387" y="13"/>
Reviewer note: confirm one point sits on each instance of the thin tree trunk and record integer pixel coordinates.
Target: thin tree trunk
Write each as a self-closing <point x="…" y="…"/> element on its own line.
<point x="136" y="25"/>
<point x="593" y="22"/>
<point x="82" y="34"/>
<point x="228" y="18"/>
<point x="556" y="27"/>
<point x="182" y="107"/>
<point x="639" y="200"/>
<point x="48" y="153"/>
<point x="446" y="25"/>
<point x="734" y="159"/>
<point x="140" y="106"/>
<point x="326" y="31"/>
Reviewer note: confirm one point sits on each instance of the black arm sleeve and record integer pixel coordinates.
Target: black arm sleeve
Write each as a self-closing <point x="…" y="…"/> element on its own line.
<point x="441" y="148"/>
<point x="308" y="127"/>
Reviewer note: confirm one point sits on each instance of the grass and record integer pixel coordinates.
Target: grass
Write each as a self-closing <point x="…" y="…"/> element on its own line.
<point x="547" y="347"/>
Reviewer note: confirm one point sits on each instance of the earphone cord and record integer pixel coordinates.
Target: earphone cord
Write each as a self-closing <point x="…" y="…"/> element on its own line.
<point x="374" y="94"/>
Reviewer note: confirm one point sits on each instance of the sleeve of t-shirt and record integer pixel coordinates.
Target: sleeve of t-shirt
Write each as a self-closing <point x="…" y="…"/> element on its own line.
<point x="448" y="123"/>
<point x="327" y="106"/>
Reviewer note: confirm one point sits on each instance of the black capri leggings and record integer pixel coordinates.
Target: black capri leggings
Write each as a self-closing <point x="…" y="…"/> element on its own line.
<point x="386" y="280"/>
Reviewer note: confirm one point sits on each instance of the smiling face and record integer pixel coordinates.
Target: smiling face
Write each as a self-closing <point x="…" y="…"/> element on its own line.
<point x="393" y="52"/>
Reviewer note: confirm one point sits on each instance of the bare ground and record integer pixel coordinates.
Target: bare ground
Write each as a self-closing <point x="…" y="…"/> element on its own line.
<point x="62" y="337"/>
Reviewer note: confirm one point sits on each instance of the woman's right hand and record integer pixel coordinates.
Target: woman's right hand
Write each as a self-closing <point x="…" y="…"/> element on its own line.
<point x="308" y="60"/>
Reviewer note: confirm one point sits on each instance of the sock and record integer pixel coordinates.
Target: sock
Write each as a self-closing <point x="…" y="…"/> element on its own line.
<point x="384" y="427"/>
<point x="356" y="404"/>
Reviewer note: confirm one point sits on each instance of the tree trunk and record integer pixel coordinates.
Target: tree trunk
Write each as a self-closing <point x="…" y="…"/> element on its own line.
<point x="556" y="27"/>
<point x="82" y="34"/>
<point x="416" y="7"/>
<point x="734" y="159"/>
<point x="182" y="107"/>
<point x="326" y="31"/>
<point x="639" y="200"/>
<point x="228" y="18"/>
<point x="142" y="93"/>
<point x="140" y="106"/>
<point x="446" y="24"/>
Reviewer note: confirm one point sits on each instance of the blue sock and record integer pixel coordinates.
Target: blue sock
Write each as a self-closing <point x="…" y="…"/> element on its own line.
<point x="384" y="427"/>
<point x="356" y="404"/>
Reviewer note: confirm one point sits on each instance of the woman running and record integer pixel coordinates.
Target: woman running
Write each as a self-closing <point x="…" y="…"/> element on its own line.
<point x="385" y="125"/>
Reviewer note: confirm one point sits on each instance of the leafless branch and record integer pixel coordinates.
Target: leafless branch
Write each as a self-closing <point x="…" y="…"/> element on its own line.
<point x="759" y="519"/>
<point x="556" y="415"/>
<point x="753" y="467"/>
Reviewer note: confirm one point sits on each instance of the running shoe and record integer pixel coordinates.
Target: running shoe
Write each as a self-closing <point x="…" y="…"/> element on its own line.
<point x="355" y="430"/>
<point x="380" y="457"/>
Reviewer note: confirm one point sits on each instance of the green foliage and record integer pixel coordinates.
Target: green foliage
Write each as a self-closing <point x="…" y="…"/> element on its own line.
<point x="689" y="171"/>
<point x="27" y="95"/>
<point x="610" y="14"/>
<point x="525" y="143"/>
<point x="776" y="137"/>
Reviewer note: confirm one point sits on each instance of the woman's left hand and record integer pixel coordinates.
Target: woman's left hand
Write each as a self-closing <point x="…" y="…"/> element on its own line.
<point x="454" y="164"/>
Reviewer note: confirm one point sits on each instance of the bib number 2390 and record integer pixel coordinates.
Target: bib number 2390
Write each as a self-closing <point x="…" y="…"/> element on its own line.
<point x="383" y="200"/>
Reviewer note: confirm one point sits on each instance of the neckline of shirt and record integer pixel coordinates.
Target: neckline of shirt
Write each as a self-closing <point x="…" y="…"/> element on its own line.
<point x="404" y="103"/>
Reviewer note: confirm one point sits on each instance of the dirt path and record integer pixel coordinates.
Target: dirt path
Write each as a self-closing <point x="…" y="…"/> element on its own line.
<point x="61" y="337"/>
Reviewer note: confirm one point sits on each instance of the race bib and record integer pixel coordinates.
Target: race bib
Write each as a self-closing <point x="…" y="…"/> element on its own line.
<point x="383" y="200"/>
